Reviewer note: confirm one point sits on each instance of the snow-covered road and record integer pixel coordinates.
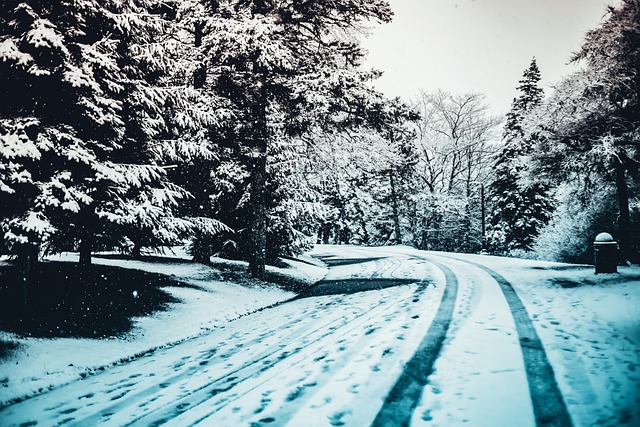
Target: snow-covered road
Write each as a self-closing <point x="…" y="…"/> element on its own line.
<point x="390" y="337"/>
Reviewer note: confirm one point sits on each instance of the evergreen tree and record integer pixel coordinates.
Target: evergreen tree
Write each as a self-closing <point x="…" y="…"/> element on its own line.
<point x="201" y="142"/>
<point x="588" y="128"/>
<point x="60" y="81"/>
<point x="86" y="86"/>
<point x="520" y="209"/>
<point x="289" y="67"/>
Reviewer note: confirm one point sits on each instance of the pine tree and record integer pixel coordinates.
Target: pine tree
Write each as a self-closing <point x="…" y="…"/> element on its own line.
<point x="519" y="209"/>
<point x="289" y="67"/>
<point x="87" y="85"/>
<point x="612" y="54"/>
<point x="588" y="128"/>
<point x="201" y="144"/>
<point x="59" y="82"/>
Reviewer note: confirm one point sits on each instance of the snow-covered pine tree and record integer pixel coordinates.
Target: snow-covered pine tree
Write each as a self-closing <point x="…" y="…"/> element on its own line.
<point x="86" y="90"/>
<point x="289" y="67"/>
<point x="519" y="209"/>
<point x="612" y="56"/>
<point x="199" y="143"/>
<point x="132" y="202"/>
<point x="588" y="128"/>
<point x="58" y="84"/>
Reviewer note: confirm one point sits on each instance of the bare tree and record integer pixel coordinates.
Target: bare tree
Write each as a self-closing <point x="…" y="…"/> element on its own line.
<point x="454" y="139"/>
<point x="455" y="144"/>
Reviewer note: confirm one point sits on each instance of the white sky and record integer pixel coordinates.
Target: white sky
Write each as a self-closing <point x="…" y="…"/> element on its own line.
<point x="478" y="45"/>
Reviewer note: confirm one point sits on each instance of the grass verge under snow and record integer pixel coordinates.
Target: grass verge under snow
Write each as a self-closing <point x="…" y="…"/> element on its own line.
<point x="125" y="309"/>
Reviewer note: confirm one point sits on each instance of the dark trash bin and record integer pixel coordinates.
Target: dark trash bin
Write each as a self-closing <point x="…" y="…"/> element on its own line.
<point x="605" y="253"/>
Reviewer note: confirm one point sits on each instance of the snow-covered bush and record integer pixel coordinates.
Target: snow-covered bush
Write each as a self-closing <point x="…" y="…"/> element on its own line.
<point x="570" y="234"/>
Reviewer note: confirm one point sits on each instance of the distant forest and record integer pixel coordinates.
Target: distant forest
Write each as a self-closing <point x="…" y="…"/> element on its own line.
<point x="250" y="130"/>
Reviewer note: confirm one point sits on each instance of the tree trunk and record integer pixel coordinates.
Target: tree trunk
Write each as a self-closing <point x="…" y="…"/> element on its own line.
<point x="258" y="249"/>
<point x="394" y="205"/>
<point x="136" y="251"/>
<point x="85" y="251"/>
<point x="202" y="249"/>
<point x="27" y="260"/>
<point x="624" y="221"/>
<point x="483" y="221"/>
<point x="336" y="234"/>
<point x="200" y="73"/>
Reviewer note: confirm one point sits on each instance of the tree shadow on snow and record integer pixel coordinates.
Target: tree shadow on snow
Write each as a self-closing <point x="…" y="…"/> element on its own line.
<point x="336" y="262"/>
<point x="605" y="279"/>
<point x="146" y="258"/>
<point x="352" y="286"/>
<point x="66" y="300"/>
<point x="7" y="348"/>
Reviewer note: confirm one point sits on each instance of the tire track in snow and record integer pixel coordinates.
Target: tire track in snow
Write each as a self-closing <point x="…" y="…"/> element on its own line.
<point x="217" y="388"/>
<point x="338" y="361"/>
<point x="549" y="406"/>
<point x="125" y="393"/>
<point x="405" y="395"/>
<point x="284" y="415"/>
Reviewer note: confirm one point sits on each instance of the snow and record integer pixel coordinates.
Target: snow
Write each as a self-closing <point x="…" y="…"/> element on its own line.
<point x="332" y="359"/>
<point x="10" y="52"/>
<point x="591" y="332"/>
<point x="42" y="363"/>
<point x="486" y="359"/>
<point x="43" y="34"/>
<point x="590" y="328"/>
<point x="14" y="145"/>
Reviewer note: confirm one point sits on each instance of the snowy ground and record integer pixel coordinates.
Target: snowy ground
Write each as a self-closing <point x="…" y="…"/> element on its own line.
<point x="589" y="325"/>
<point x="40" y="364"/>
<point x="333" y="359"/>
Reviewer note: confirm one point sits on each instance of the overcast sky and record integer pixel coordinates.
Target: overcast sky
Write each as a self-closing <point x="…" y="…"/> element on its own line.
<point x="478" y="45"/>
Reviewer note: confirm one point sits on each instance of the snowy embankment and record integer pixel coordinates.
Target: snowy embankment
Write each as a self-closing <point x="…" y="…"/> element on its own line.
<point x="37" y="364"/>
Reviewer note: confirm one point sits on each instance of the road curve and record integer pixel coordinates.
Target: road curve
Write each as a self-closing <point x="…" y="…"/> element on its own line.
<point x="267" y="368"/>
<point x="548" y="403"/>
<point x="405" y="395"/>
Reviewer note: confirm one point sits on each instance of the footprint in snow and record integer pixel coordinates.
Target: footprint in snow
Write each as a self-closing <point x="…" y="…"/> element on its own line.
<point x="264" y="402"/>
<point x="336" y="419"/>
<point x="54" y="407"/>
<point x="426" y="416"/>
<point x="263" y="421"/>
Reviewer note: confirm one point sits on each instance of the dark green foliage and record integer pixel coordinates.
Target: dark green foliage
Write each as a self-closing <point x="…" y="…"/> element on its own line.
<point x="520" y="209"/>
<point x="84" y="93"/>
